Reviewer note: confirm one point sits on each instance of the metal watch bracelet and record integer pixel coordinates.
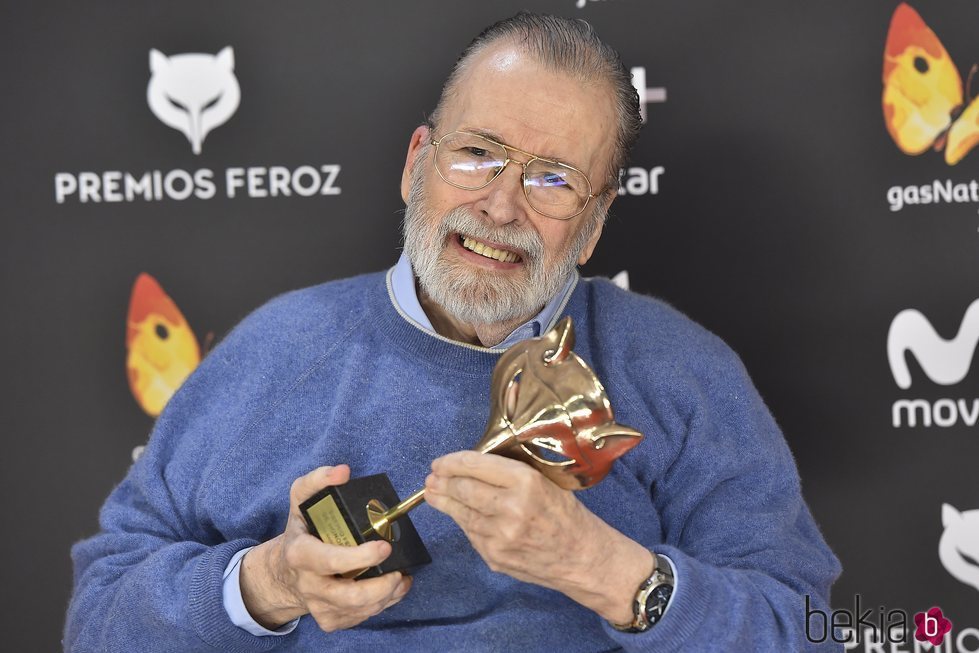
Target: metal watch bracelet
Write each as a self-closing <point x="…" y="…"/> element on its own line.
<point x="651" y="598"/>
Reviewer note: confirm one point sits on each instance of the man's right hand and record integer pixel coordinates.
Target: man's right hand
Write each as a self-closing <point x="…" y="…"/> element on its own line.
<point x="296" y="573"/>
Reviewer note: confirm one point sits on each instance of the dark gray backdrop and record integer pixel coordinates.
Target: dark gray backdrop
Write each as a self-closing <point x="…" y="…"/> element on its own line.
<point x="771" y="227"/>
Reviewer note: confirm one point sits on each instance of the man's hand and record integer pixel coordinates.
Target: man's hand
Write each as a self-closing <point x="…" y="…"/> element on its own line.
<point x="525" y="526"/>
<point x="296" y="573"/>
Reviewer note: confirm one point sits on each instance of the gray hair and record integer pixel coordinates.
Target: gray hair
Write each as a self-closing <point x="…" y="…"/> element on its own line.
<point x="569" y="46"/>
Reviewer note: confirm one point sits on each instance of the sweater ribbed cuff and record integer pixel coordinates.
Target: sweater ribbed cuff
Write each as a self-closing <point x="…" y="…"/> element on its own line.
<point x="209" y="617"/>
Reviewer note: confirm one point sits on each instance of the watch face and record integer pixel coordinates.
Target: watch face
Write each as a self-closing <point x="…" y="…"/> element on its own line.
<point x="657" y="601"/>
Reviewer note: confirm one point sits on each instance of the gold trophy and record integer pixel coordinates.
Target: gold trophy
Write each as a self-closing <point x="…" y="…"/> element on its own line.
<point x="548" y="409"/>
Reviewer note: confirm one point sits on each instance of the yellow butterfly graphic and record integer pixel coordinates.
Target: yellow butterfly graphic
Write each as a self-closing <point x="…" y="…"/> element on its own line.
<point x="923" y="103"/>
<point x="162" y="350"/>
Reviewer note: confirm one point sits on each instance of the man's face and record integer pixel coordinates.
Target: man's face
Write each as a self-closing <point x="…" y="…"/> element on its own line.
<point x="506" y="94"/>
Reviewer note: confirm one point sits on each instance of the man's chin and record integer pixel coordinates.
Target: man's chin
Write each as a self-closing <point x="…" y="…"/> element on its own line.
<point x="480" y="297"/>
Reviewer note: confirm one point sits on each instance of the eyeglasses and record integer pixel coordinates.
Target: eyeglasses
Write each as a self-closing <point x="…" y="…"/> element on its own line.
<point x="470" y="161"/>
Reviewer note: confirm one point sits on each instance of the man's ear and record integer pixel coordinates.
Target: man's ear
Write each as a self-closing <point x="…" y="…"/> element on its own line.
<point x="419" y="138"/>
<point x="589" y="247"/>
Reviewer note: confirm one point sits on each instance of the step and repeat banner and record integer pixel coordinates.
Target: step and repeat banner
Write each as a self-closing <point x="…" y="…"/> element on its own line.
<point x="806" y="186"/>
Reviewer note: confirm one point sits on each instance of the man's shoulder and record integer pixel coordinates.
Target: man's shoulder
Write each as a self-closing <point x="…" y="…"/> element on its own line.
<point x="645" y="321"/>
<point x="262" y="358"/>
<point x="300" y="323"/>
<point x="315" y="309"/>
<point x="656" y="349"/>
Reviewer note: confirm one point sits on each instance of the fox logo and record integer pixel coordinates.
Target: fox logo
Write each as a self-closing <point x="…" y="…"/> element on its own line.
<point x="959" y="546"/>
<point x="193" y="92"/>
<point x="946" y="362"/>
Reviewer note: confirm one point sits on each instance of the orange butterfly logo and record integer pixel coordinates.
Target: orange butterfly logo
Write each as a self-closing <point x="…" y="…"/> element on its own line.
<point x="161" y="348"/>
<point x="923" y="103"/>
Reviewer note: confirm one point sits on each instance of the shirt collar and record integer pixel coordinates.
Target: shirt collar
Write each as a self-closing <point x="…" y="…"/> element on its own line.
<point x="406" y="299"/>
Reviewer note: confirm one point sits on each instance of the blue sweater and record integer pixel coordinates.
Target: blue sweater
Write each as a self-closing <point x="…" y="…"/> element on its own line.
<point x="334" y="374"/>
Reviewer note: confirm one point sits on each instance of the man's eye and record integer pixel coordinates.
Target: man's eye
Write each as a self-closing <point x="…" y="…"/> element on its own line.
<point x="477" y="151"/>
<point x="553" y="180"/>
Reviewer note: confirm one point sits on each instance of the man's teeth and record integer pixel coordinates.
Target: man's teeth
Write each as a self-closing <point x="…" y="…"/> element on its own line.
<point x="489" y="252"/>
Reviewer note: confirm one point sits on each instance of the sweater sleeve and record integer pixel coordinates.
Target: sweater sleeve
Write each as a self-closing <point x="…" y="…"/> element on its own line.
<point x="151" y="579"/>
<point x="140" y="586"/>
<point x="736" y="526"/>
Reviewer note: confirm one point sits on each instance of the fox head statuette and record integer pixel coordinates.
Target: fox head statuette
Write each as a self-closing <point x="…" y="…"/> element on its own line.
<point x="548" y="409"/>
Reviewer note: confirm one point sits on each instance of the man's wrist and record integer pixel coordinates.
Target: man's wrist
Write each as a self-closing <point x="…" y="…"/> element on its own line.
<point x="608" y="588"/>
<point x="234" y="605"/>
<point x="641" y="566"/>
<point x="266" y="598"/>
<point x="652" y="598"/>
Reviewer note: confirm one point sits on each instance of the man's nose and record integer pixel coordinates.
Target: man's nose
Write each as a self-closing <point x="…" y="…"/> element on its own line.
<point x="505" y="201"/>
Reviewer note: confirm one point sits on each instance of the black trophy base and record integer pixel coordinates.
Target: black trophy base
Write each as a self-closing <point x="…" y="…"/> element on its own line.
<point x="338" y="515"/>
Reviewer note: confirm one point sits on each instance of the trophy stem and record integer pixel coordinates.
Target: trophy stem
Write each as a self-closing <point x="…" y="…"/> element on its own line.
<point x="382" y="520"/>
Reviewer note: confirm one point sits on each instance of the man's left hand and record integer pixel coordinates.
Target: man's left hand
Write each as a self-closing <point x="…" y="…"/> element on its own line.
<point x="525" y="526"/>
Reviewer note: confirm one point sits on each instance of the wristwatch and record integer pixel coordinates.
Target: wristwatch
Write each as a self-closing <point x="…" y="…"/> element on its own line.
<point x="651" y="600"/>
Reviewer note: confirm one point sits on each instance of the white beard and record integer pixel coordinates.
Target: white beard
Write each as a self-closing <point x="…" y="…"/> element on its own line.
<point x="472" y="295"/>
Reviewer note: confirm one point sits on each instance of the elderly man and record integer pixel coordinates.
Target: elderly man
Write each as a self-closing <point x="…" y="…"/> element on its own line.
<point x="698" y="539"/>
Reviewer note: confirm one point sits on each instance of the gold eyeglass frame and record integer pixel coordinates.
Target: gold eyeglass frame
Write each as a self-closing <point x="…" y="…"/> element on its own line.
<point x="523" y="176"/>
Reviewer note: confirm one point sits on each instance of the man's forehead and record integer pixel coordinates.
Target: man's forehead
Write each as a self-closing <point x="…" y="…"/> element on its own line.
<point x="506" y="94"/>
<point x="502" y="58"/>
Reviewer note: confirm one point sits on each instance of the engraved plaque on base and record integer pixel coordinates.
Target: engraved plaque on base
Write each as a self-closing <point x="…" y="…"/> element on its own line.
<point x="339" y="515"/>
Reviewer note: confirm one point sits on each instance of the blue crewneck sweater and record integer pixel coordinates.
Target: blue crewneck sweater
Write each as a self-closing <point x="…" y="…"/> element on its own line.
<point x="335" y="374"/>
